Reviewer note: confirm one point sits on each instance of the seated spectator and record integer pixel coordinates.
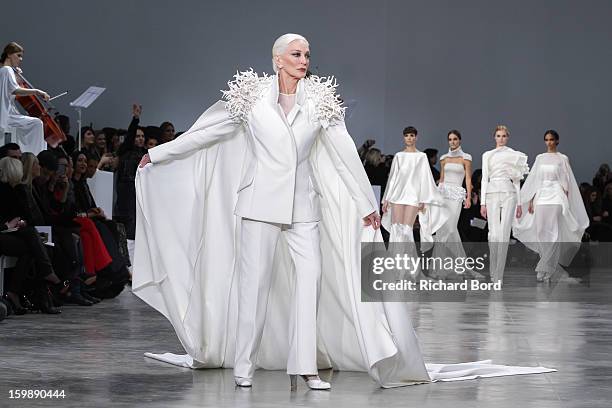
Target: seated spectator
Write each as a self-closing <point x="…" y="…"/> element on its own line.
<point x="12" y="245"/>
<point x="599" y="229"/>
<point x="602" y="177"/>
<point x="46" y="187"/>
<point x="14" y="206"/>
<point x="10" y="150"/>
<point x="117" y="274"/>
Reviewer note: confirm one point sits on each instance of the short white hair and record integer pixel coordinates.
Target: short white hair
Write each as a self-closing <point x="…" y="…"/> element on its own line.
<point x="11" y="171"/>
<point x="281" y="44"/>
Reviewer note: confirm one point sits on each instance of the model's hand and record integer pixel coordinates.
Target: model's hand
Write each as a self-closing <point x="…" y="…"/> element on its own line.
<point x="422" y="208"/>
<point x="43" y="95"/>
<point x="145" y="160"/>
<point x="385" y="207"/>
<point x="373" y="220"/>
<point x="530" y="209"/>
<point x="519" y="211"/>
<point x="483" y="211"/>
<point x="467" y="203"/>
<point x="136" y="110"/>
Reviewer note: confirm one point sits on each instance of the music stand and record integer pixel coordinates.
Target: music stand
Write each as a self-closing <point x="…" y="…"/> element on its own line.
<point x="82" y="102"/>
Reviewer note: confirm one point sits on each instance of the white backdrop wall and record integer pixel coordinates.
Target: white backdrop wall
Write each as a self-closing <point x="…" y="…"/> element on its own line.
<point x="436" y="65"/>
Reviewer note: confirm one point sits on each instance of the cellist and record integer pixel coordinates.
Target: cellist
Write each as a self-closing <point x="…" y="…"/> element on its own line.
<point x="29" y="130"/>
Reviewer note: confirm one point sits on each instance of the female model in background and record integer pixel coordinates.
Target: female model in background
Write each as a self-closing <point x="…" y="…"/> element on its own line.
<point x="556" y="218"/>
<point x="502" y="170"/>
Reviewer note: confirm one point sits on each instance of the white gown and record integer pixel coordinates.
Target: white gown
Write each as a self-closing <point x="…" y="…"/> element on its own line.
<point x="556" y="227"/>
<point x="184" y="268"/>
<point x="448" y="240"/>
<point x="29" y="131"/>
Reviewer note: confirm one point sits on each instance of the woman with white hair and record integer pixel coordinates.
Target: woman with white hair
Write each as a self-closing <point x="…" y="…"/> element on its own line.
<point x="273" y="204"/>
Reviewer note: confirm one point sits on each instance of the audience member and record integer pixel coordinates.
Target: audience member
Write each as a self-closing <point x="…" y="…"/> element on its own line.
<point x="167" y="132"/>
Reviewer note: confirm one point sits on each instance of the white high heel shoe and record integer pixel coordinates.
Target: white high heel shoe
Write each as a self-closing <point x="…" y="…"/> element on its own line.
<point x="243" y="382"/>
<point x="313" y="382"/>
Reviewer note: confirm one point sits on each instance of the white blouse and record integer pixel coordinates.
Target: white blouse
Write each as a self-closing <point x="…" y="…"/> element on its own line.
<point x="502" y="170"/>
<point x="410" y="179"/>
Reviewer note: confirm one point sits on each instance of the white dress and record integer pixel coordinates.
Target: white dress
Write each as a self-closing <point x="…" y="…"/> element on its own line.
<point x="448" y="240"/>
<point x="411" y="183"/>
<point x="29" y="131"/>
<point x="185" y="266"/>
<point x="556" y="227"/>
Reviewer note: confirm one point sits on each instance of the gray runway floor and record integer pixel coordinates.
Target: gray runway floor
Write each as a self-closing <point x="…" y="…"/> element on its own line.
<point x="95" y="354"/>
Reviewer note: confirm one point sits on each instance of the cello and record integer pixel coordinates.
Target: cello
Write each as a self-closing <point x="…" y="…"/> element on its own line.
<point x="39" y="108"/>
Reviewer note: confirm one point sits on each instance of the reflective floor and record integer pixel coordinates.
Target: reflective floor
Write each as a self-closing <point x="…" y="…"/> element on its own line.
<point x="95" y="354"/>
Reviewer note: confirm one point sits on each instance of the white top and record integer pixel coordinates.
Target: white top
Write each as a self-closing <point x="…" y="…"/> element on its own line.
<point x="554" y="179"/>
<point x="8" y="84"/>
<point x="454" y="173"/>
<point x="551" y="181"/>
<point x="502" y="170"/>
<point x="408" y="179"/>
<point x="287" y="102"/>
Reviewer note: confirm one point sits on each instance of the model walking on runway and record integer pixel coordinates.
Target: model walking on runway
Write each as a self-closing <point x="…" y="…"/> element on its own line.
<point x="502" y="170"/>
<point x="455" y="167"/>
<point x="411" y="191"/>
<point x="556" y="217"/>
<point x="271" y="199"/>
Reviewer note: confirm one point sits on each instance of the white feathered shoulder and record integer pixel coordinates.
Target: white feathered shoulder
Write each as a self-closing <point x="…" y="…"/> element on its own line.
<point x="244" y="90"/>
<point x="322" y="91"/>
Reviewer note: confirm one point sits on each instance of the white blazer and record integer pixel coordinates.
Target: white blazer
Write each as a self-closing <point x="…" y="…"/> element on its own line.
<point x="277" y="182"/>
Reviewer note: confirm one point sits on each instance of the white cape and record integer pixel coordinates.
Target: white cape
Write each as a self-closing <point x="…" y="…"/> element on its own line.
<point x="184" y="267"/>
<point x="574" y="219"/>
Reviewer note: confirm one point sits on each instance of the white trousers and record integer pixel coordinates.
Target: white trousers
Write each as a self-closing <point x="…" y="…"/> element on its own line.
<point x="29" y="133"/>
<point x="501" y="210"/>
<point x="546" y="220"/>
<point x="257" y="246"/>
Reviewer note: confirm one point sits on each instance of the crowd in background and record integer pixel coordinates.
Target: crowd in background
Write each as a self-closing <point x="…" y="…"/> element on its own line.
<point x="89" y="258"/>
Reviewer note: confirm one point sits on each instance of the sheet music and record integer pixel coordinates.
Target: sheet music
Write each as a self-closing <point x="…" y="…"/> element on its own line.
<point x="87" y="97"/>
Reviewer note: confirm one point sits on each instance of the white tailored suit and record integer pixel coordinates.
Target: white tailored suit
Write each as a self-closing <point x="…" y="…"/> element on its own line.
<point x="244" y="164"/>
<point x="278" y="194"/>
<point x="502" y="170"/>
